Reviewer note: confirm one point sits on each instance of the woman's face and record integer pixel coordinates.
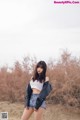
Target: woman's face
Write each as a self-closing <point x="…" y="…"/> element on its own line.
<point x="39" y="70"/>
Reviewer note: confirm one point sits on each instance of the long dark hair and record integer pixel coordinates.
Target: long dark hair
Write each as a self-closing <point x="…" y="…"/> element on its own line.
<point x="42" y="76"/>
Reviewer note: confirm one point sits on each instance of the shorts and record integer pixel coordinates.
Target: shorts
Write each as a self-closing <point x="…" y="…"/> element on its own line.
<point x="33" y="101"/>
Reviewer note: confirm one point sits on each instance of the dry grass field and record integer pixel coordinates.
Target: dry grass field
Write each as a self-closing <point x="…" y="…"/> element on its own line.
<point x="53" y="112"/>
<point x="64" y="76"/>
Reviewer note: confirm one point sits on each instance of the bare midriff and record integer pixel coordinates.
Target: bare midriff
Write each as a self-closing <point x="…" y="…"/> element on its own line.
<point x="35" y="91"/>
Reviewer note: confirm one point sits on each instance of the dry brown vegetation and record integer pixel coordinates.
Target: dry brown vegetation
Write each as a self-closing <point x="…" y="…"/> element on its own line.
<point x="64" y="76"/>
<point x="53" y="112"/>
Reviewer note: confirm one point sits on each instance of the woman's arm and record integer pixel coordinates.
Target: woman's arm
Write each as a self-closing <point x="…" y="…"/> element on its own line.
<point x="47" y="79"/>
<point x="28" y="93"/>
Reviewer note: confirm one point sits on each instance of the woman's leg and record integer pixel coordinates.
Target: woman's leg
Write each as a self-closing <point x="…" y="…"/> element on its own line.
<point x="39" y="113"/>
<point x="27" y="113"/>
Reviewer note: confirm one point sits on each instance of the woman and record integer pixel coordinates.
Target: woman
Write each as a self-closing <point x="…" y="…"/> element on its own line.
<point x="37" y="90"/>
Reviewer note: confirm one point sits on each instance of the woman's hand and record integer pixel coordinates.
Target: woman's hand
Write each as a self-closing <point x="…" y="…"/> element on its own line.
<point x="35" y="109"/>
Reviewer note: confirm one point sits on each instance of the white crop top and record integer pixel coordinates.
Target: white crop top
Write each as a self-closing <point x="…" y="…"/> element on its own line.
<point x="36" y="84"/>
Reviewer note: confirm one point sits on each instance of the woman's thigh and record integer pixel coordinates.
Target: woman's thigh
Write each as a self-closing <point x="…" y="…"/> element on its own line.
<point x="27" y="113"/>
<point x="38" y="115"/>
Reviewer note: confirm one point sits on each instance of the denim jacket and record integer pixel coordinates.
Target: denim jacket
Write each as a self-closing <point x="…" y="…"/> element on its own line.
<point x="47" y="88"/>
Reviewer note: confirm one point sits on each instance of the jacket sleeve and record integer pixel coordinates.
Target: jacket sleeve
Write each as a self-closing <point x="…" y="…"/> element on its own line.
<point x="28" y="93"/>
<point x="43" y="94"/>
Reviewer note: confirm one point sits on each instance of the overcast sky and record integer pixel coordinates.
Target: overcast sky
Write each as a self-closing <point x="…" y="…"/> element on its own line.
<point x="37" y="27"/>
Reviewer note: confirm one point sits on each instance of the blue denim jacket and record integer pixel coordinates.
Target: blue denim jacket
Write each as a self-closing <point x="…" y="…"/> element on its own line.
<point x="47" y="88"/>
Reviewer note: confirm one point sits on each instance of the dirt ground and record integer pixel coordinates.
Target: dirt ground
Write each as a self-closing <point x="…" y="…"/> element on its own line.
<point x="53" y="112"/>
